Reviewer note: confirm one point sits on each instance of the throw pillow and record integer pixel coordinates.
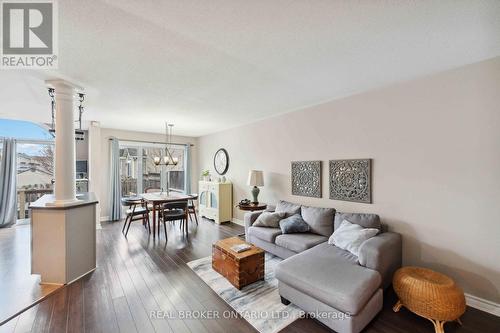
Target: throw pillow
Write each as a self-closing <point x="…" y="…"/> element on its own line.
<point x="293" y="224"/>
<point x="319" y="219"/>
<point x="269" y="220"/>
<point x="287" y="207"/>
<point x="363" y="219"/>
<point x="350" y="236"/>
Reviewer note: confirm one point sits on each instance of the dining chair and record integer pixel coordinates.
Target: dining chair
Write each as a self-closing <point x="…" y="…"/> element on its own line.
<point x="174" y="211"/>
<point x="137" y="210"/>
<point x="151" y="190"/>
<point x="192" y="207"/>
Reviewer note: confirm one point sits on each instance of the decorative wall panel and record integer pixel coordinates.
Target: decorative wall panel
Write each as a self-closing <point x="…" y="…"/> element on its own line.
<point x="306" y="178"/>
<point x="350" y="180"/>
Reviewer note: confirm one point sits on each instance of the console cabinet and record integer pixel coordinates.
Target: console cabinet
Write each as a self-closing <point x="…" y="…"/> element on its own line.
<point x="216" y="201"/>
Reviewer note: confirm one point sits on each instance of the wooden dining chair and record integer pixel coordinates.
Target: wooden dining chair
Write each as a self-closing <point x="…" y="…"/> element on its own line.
<point x="151" y="190"/>
<point x="174" y="211"/>
<point x="192" y="207"/>
<point x="137" y="210"/>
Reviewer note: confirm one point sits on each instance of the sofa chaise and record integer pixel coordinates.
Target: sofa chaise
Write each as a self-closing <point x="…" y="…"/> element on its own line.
<point x="341" y="290"/>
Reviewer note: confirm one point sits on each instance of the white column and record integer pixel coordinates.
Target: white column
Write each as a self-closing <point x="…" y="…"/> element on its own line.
<point x="65" y="160"/>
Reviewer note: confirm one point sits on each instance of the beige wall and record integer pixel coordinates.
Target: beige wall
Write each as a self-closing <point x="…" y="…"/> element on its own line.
<point x="106" y="133"/>
<point x="435" y="145"/>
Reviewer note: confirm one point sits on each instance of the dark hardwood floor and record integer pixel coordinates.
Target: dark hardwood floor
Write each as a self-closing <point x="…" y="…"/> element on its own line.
<point x="137" y="275"/>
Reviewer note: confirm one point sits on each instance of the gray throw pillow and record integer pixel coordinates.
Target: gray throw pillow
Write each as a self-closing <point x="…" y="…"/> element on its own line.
<point x="294" y="224"/>
<point x="269" y="220"/>
<point x="287" y="207"/>
<point x="319" y="219"/>
<point x="362" y="219"/>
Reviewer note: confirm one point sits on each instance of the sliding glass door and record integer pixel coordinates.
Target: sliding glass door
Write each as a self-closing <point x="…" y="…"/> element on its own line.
<point x="139" y="177"/>
<point x="151" y="174"/>
<point x="129" y="170"/>
<point x="176" y="173"/>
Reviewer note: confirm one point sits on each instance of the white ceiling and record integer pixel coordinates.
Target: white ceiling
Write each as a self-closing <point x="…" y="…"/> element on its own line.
<point x="210" y="65"/>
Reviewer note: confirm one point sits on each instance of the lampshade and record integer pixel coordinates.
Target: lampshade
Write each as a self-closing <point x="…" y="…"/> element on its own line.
<point x="255" y="178"/>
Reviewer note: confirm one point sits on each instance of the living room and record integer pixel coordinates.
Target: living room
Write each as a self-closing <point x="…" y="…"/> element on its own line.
<point x="250" y="167"/>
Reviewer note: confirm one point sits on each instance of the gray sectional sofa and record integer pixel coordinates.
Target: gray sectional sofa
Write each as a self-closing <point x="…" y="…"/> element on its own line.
<point x="341" y="290"/>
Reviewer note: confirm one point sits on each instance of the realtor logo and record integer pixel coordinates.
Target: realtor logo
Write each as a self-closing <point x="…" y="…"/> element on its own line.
<point x="29" y="34"/>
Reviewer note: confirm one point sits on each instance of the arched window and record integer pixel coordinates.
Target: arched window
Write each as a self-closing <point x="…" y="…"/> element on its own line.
<point x="24" y="130"/>
<point x="35" y="161"/>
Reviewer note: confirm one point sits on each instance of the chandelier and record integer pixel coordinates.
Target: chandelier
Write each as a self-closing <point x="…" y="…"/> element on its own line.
<point x="167" y="158"/>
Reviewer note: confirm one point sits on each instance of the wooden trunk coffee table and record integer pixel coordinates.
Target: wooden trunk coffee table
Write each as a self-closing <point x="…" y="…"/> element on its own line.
<point x="241" y="269"/>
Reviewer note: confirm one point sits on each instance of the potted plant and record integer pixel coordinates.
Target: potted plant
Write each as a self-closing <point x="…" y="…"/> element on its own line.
<point x="205" y="175"/>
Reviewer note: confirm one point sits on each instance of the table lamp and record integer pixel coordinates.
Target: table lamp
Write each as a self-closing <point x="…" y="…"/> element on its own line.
<point x="255" y="179"/>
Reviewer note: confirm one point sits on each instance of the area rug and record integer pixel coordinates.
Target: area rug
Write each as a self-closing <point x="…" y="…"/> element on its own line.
<point x="258" y="303"/>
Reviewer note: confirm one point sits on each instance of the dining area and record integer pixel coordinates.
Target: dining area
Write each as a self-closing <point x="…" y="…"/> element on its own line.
<point x="155" y="207"/>
<point x="150" y="182"/>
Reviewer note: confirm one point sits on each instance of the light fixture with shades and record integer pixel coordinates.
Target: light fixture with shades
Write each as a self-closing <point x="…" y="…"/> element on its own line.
<point x="167" y="158"/>
<point x="255" y="179"/>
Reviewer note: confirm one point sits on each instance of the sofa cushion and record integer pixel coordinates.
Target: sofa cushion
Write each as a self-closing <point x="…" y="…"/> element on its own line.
<point x="299" y="242"/>
<point x="293" y="224"/>
<point x="319" y="219"/>
<point x="287" y="207"/>
<point x="268" y="219"/>
<point x="331" y="276"/>
<point x="264" y="233"/>
<point x="364" y="220"/>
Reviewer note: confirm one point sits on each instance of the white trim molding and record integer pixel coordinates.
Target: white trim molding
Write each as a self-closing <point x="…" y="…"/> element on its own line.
<point x="482" y="304"/>
<point x="104" y="218"/>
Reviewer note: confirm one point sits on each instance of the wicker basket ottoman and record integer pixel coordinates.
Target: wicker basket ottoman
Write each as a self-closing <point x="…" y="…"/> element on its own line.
<point x="429" y="294"/>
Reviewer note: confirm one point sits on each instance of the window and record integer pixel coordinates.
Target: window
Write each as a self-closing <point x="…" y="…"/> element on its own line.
<point x="128" y="170"/>
<point x="35" y="161"/>
<point x="151" y="174"/>
<point x="139" y="177"/>
<point x="176" y="173"/>
<point x="24" y="130"/>
<point x="35" y="174"/>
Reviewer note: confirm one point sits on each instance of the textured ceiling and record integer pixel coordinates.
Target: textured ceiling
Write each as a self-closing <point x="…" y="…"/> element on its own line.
<point x="211" y="65"/>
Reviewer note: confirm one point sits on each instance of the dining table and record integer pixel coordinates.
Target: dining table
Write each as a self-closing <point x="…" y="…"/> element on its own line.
<point x="157" y="199"/>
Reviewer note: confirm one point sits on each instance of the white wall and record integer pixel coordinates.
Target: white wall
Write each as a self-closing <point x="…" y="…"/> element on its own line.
<point x="104" y="158"/>
<point x="94" y="163"/>
<point x="435" y="145"/>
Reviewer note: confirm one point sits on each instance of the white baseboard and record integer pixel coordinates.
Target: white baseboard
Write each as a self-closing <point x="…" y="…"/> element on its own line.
<point x="482" y="304"/>
<point x="237" y="221"/>
<point x="104" y="218"/>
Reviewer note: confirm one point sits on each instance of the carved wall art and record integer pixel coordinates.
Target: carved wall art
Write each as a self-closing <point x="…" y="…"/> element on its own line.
<point x="306" y="178"/>
<point x="350" y="180"/>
